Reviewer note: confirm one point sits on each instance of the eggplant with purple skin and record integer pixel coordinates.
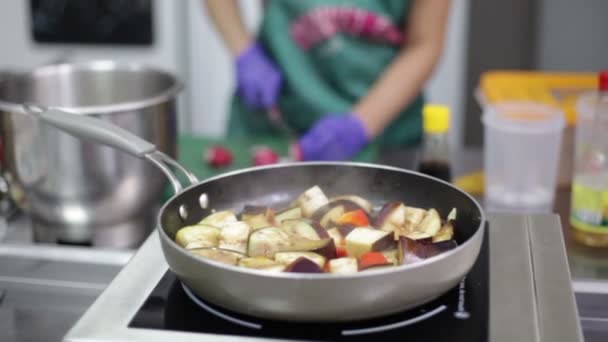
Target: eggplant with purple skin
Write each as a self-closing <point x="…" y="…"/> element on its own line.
<point x="304" y="228"/>
<point x="427" y="228"/>
<point x="258" y="217"/>
<point x="391" y="217"/>
<point x="330" y="214"/>
<point x="362" y="240"/>
<point x="223" y="256"/>
<point x="198" y="236"/>
<point x="359" y="201"/>
<point x="287" y="258"/>
<point x="219" y="219"/>
<point x="303" y="265"/>
<point x="288" y="214"/>
<point x="234" y="237"/>
<point x="311" y="200"/>
<point x="323" y="247"/>
<point x="412" y="251"/>
<point x="268" y="241"/>
<point x="262" y="264"/>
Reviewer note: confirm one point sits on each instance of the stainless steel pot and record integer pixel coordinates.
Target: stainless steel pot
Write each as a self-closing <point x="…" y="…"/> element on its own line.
<point x="77" y="190"/>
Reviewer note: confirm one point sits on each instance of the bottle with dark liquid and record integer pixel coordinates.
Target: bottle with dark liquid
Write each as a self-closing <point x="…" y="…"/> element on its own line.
<point x="435" y="155"/>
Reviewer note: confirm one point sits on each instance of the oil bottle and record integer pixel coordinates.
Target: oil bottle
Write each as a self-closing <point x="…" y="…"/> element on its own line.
<point x="435" y="156"/>
<point x="589" y="213"/>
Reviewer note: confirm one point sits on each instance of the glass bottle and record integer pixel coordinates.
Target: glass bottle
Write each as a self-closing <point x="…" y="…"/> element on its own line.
<point x="435" y="154"/>
<point x="589" y="213"/>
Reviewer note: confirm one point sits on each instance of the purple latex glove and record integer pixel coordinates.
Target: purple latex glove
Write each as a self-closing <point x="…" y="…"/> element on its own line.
<point x="258" y="78"/>
<point x="335" y="137"/>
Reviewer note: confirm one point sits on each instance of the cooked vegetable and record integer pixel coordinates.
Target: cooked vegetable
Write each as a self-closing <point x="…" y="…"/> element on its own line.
<point x="288" y="214"/>
<point x="391" y="216"/>
<point x="197" y="236"/>
<point x="359" y="201"/>
<point x="311" y="200"/>
<point x="330" y="213"/>
<point x="304" y="228"/>
<point x="357" y="218"/>
<point x="412" y="251"/>
<point x="373" y="259"/>
<point x="220" y="255"/>
<point x="258" y="217"/>
<point x="445" y="233"/>
<point x="219" y="219"/>
<point x="429" y="226"/>
<point x="363" y="240"/>
<point x="287" y="258"/>
<point x="267" y="241"/>
<point x="262" y="263"/>
<point x="303" y="265"/>
<point x="335" y="234"/>
<point x="315" y="234"/>
<point x="343" y="266"/>
<point x="324" y="247"/>
<point x="234" y="237"/>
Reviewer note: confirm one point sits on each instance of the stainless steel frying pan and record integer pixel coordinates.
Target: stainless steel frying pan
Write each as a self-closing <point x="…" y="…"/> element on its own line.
<point x="291" y="296"/>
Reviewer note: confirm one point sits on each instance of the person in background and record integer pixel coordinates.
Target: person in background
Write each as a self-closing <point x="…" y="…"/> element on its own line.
<point x="340" y="73"/>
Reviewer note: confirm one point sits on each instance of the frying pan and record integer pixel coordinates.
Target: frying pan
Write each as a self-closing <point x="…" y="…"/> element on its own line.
<point x="298" y="296"/>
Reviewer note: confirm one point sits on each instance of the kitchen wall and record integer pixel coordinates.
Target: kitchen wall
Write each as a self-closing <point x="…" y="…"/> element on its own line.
<point x="212" y="80"/>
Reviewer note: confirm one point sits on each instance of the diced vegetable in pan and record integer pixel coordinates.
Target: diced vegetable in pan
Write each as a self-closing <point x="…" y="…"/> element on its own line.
<point x="341" y="235"/>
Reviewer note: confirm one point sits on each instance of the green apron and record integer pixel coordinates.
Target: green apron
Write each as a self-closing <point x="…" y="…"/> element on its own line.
<point x="330" y="53"/>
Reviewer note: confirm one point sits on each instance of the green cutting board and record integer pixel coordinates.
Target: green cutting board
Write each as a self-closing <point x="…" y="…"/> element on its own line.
<point x="192" y="151"/>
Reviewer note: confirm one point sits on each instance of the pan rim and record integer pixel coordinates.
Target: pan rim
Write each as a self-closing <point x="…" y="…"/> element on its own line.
<point x="322" y="276"/>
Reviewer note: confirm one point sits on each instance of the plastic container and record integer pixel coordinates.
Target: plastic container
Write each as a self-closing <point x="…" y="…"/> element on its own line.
<point x="521" y="156"/>
<point x="589" y="214"/>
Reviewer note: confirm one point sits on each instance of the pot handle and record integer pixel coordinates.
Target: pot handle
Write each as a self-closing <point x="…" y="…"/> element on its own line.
<point x="90" y="128"/>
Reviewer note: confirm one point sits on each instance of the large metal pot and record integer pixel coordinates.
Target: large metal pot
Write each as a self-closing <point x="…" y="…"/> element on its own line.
<point x="77" y="191"/>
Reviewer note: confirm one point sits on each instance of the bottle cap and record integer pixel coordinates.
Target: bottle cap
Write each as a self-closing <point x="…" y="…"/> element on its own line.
<point x="603" y="78"/>
<point x="436" y="118"/>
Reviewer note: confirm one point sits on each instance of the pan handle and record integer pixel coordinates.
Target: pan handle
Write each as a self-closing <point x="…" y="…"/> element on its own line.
<point x="103" y="132"/>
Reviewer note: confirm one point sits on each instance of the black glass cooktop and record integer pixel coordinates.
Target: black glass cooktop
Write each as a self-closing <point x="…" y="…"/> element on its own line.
<point x="459" y="315"/>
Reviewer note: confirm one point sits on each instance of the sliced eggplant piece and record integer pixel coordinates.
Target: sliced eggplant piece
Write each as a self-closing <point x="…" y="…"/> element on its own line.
<point x="359" y="201"/>
<point x="288" y="214"/>
<point x="452" y="215"/>
<point x="362" y="240"/>
<point x="429" y="226"/>
<point x="345" y="229"/>
<point x="391" y="217"/>
<point x="392" y="255"/>
<point x="331" y="212"/>
<point x="412" y="251"/>
<point x="223" y="256"/>
<point x="262" y="263"/>
<point x="311" y="200"/>
<point x="198" y="236"/>
<point x="258" y="217"/>
<point x="335" y="234"/>
<point x="323" y="247"/>
<point x="445" y="233"/>
<point x="343" y="266"/>
<point x="268" y="241"/>
<point x="219" y="219"/>
<point x="303" y="265"/>
<point x="304" y="228"/>
<point x="287" y="258"/>
<point x="234" y="237"/>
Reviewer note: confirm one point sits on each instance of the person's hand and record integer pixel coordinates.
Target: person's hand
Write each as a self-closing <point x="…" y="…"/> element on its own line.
<point x="258" y="78"/>
<point x="335" y="137"/>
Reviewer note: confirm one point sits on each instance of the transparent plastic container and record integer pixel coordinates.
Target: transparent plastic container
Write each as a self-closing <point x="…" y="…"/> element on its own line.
<point x="521" y="156"/>
<point x="589" y="214"/>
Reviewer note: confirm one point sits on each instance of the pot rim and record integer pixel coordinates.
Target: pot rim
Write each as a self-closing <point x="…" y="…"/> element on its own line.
<point x="104" y="65"/>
